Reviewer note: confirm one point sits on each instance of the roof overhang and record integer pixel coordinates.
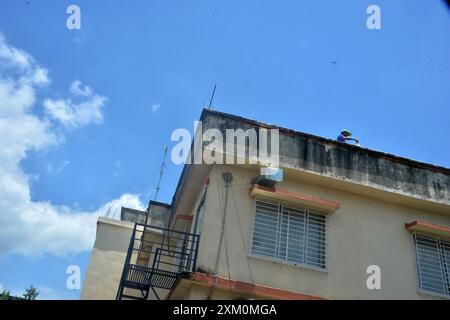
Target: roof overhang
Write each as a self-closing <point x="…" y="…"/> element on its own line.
<point x="428" y="227"/>
<point x="296" y="198"/>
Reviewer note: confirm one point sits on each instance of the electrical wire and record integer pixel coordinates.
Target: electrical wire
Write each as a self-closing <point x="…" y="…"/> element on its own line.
<point x="226" y="237"/>
<point x="226" y="249"/>
<point x="109" y="208"/>
<point x="242" y="236"/>
<point x="222" y="225"/>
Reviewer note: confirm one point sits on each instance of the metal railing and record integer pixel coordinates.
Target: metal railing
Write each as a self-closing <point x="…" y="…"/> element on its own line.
<point x="296" y="235"/>
<point x="156" y="258"/>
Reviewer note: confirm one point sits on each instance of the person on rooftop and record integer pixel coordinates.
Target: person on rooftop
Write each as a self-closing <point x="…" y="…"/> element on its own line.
<point x="345" y="136"/>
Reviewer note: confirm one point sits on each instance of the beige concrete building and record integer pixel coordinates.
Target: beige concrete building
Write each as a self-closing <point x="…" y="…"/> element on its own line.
<point x="344" y="222"/>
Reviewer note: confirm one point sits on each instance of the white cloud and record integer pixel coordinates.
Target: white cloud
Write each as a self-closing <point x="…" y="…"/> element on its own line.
<point x="156" y="107"/>
<point x="74" y="115"/>
<point x="13" y="59"/>
<point x="56" y="168"/>
<point x="34" y="227"/>
<point x="38" y="227"/>
<point x="77" y="90"/>
<point x="41" y="76"/>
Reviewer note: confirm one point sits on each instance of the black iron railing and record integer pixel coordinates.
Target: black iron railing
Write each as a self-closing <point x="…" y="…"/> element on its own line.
<point x="156" y="258"/>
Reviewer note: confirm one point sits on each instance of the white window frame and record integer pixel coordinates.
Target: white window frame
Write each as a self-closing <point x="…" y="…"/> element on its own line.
<point x="307" y="210"/>
<point x="445" y="274"/>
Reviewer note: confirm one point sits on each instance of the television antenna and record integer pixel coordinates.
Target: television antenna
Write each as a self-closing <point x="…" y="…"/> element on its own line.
<point x="212" y="97"/>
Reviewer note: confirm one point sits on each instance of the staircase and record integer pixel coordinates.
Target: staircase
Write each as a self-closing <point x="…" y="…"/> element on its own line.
<point x="155" y="260"/>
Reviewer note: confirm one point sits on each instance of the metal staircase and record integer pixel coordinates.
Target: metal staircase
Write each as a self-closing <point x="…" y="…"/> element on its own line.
<point x="155" y="260"/>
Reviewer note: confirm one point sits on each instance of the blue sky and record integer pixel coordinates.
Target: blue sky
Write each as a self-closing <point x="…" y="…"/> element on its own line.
<point x="149" y="67"/>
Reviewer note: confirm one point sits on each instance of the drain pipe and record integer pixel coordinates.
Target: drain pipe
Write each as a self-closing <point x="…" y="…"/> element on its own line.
<point x="227" y="177"/>
<point x="201" y="204"/>
<point x="197" y="219"/>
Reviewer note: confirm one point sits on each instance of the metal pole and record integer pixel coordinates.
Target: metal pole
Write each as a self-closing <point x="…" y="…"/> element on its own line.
<point x="212" y="97"/>
<point x="161" y="172"/>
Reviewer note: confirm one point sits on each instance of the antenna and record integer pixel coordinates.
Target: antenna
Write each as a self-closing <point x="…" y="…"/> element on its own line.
<point x="212" y="97"/>
<point x="161" y="172"/>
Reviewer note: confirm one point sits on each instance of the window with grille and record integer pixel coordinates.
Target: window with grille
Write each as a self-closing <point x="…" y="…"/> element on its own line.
<point x="433" y="264"/>
<point x="285" y="233"/>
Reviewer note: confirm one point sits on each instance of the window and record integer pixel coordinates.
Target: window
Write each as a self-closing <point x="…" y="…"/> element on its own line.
<point x="433" y="264"/>
<point x="285" y="233"/>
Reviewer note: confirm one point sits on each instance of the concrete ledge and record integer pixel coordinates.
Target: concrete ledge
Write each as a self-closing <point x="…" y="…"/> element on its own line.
<point x="117" y="223"/>
<point x="296" y="198"/>
<point x="247" y="288"/>
<point x="335" y="160"/>
<point x="428" y="227"/>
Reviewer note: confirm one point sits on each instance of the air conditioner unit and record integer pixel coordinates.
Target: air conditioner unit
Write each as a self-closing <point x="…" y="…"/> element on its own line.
<point x="269" y="176"/>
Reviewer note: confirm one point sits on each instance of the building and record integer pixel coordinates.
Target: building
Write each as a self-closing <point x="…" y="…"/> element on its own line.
<point x="344" y="222"/>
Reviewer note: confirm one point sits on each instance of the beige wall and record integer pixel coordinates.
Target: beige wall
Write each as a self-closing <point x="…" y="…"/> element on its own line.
<point x="200" y="292"/>
<point x="107" y="260"/>
<point x="363" y="232"/>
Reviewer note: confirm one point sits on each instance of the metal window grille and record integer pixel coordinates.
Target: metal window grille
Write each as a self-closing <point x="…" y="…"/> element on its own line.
<point x="433" y="264"/>
<point x="285" y="233"/>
